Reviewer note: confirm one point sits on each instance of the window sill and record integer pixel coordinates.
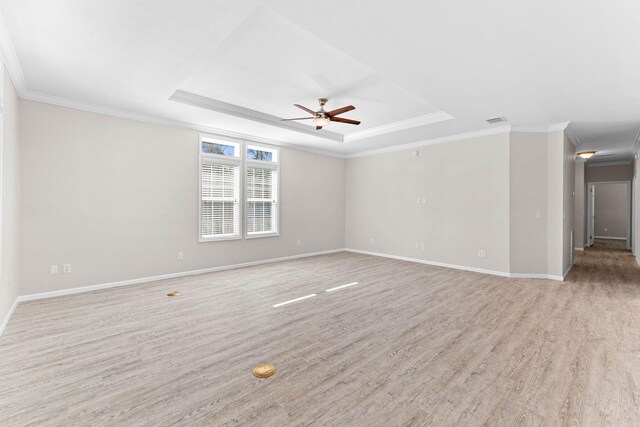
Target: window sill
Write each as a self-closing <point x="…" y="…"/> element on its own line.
<point x="218" y="239"/>
<point x="260" y="235"/>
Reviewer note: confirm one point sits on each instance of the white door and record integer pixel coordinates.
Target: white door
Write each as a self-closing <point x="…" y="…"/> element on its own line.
<point x="591" y="213"/>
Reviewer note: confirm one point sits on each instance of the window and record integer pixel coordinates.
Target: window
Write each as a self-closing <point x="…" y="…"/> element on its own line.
<point x="219" y="190"/>
<point x="261" y="210"/>
<point x="221" y="183"/>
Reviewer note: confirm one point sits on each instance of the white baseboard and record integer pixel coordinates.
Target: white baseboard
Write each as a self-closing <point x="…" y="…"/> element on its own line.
<point x="566" y="273"/>
<point x="577" y="248"/>
<point x="461" y="267"/>
<point x="5" y="322"/>
<point x="140" y="280"/>
<point x="609" y="238"/>
<point x="434" y="263"/>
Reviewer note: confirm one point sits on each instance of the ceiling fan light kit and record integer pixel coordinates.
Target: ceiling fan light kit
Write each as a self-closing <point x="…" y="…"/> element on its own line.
<point x="322" y="118"/>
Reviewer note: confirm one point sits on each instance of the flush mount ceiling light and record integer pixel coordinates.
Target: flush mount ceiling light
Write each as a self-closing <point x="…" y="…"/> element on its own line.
<point x="586" y="154"/>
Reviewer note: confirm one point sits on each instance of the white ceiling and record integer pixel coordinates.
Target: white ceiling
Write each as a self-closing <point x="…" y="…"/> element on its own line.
<point x="612" y="141"/>
<point x="408" y="67"/>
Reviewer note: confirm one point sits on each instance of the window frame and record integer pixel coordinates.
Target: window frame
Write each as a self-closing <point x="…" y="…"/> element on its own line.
<point x="262" y="164"/>
<point x="240" y="159"/>
<point x="235" y="160"/>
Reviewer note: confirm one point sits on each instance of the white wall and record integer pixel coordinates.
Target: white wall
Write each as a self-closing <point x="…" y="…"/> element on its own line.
<point x="118" y="199"/>
<point x="10" y="233"/>
<point x="611" y="210"/>
<point x="528" y="203"/>
<point x="580" y="205"/>
<point x="466" y="188"/>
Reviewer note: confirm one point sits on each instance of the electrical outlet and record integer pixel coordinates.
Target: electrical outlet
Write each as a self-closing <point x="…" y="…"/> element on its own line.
<point x="54" y="269"/>
<point x="180" y="256"/>
<point x="538" y="215"/>
<point x="417" y="245"/>
<point x="424" y="200"/>
<point x="299" y="243"/>
<point x="419" y="200"/>
<point x="482" y="253"/>
<point x="371" y="240"/>
<point x="422" y="246"/>
<point x="605" y="229"/>
<point x="66" y="268"/>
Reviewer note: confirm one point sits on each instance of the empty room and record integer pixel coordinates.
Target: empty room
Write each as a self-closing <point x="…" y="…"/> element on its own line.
<point x="275" y="212"/>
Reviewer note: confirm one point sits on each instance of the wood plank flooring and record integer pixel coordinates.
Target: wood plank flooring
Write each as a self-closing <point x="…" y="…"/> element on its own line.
<point x="409" y="345"/>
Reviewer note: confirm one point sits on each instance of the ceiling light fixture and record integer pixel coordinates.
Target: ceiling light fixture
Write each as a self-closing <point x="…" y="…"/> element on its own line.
<point x="321" y="120"/>
<point x="586" y="154"/>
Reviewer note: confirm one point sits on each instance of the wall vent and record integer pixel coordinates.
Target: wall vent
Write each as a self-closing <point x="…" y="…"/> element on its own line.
<point x="496" y="120"/>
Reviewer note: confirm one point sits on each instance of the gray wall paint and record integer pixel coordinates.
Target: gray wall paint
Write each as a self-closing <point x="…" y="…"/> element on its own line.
<point x="466" y="188"/>
<point x="10" y="267"/>
<point x="636" y="201"/>
<point x="611" y="210"/>
<point x="528" y="203"/>
<point x="555" y="203"/>
<point x="581" y="206"/>
<point x="609" y="173"/>
<point x="118" y="199"/>
<point x="569" y="203"/>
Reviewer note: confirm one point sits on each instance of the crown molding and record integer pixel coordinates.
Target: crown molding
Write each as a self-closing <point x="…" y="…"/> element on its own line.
<point x="636" y="145"/>
<point x="557" y="127"/>
<point x="10" y="58"/>
<point x="132" y="115"/>
<point x="427" y="119"/>
<point x="435" y="141"/>
<point x="245" y="113"/>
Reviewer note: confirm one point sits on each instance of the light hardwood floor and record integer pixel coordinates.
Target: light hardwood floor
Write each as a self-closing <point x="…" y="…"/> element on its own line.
<point x="409" y="345"/>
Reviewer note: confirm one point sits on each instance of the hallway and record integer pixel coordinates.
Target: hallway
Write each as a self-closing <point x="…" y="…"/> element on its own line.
<point x="607" y="262"/>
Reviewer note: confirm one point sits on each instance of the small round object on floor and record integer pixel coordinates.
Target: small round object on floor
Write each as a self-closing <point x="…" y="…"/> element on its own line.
<point x="173" y="294"/>
<point x="264" y="370"/>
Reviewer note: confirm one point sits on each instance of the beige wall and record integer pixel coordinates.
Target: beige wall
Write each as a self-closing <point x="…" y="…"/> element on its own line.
<point x="581" y="206"/>
<point x="118" y="199"/>
<point x="10" y="233"/>
<point x="528" y="203"/>
<point x="609" y="173"/>
<point x="569" y="203"/>
<point x="611" y="210"/>
<point x="465" y="185"/>
<point x="555" y="203"/>
<point x="635" y="229"/>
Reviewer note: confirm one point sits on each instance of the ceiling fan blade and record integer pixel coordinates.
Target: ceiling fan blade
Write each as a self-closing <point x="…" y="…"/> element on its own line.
<point x="299" y="118"/>
<point x="318" y="127"/>
<point x="313" y="113"/>
<point x="341" y="120"/>
<point x="340" y="110"/>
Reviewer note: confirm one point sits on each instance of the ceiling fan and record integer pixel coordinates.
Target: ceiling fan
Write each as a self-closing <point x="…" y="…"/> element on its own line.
<point x="322" y="118"/>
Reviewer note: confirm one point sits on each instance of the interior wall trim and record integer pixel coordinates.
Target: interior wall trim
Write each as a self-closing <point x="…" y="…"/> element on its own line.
<point x="210" y="104"/>
<point x="427" y="119"/>
<point x="426" y="143"/>
<point x="5" y="322"/>
<point x="71" y="291"/>
<point x="460" y="267"/>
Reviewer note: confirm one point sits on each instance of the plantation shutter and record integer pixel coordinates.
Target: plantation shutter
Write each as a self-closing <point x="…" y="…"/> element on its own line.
<point x="262" y="198"/>
<point x="220" y="199"/>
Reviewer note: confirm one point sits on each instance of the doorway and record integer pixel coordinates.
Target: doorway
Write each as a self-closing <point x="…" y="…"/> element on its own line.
<point x="609" y="211"/>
